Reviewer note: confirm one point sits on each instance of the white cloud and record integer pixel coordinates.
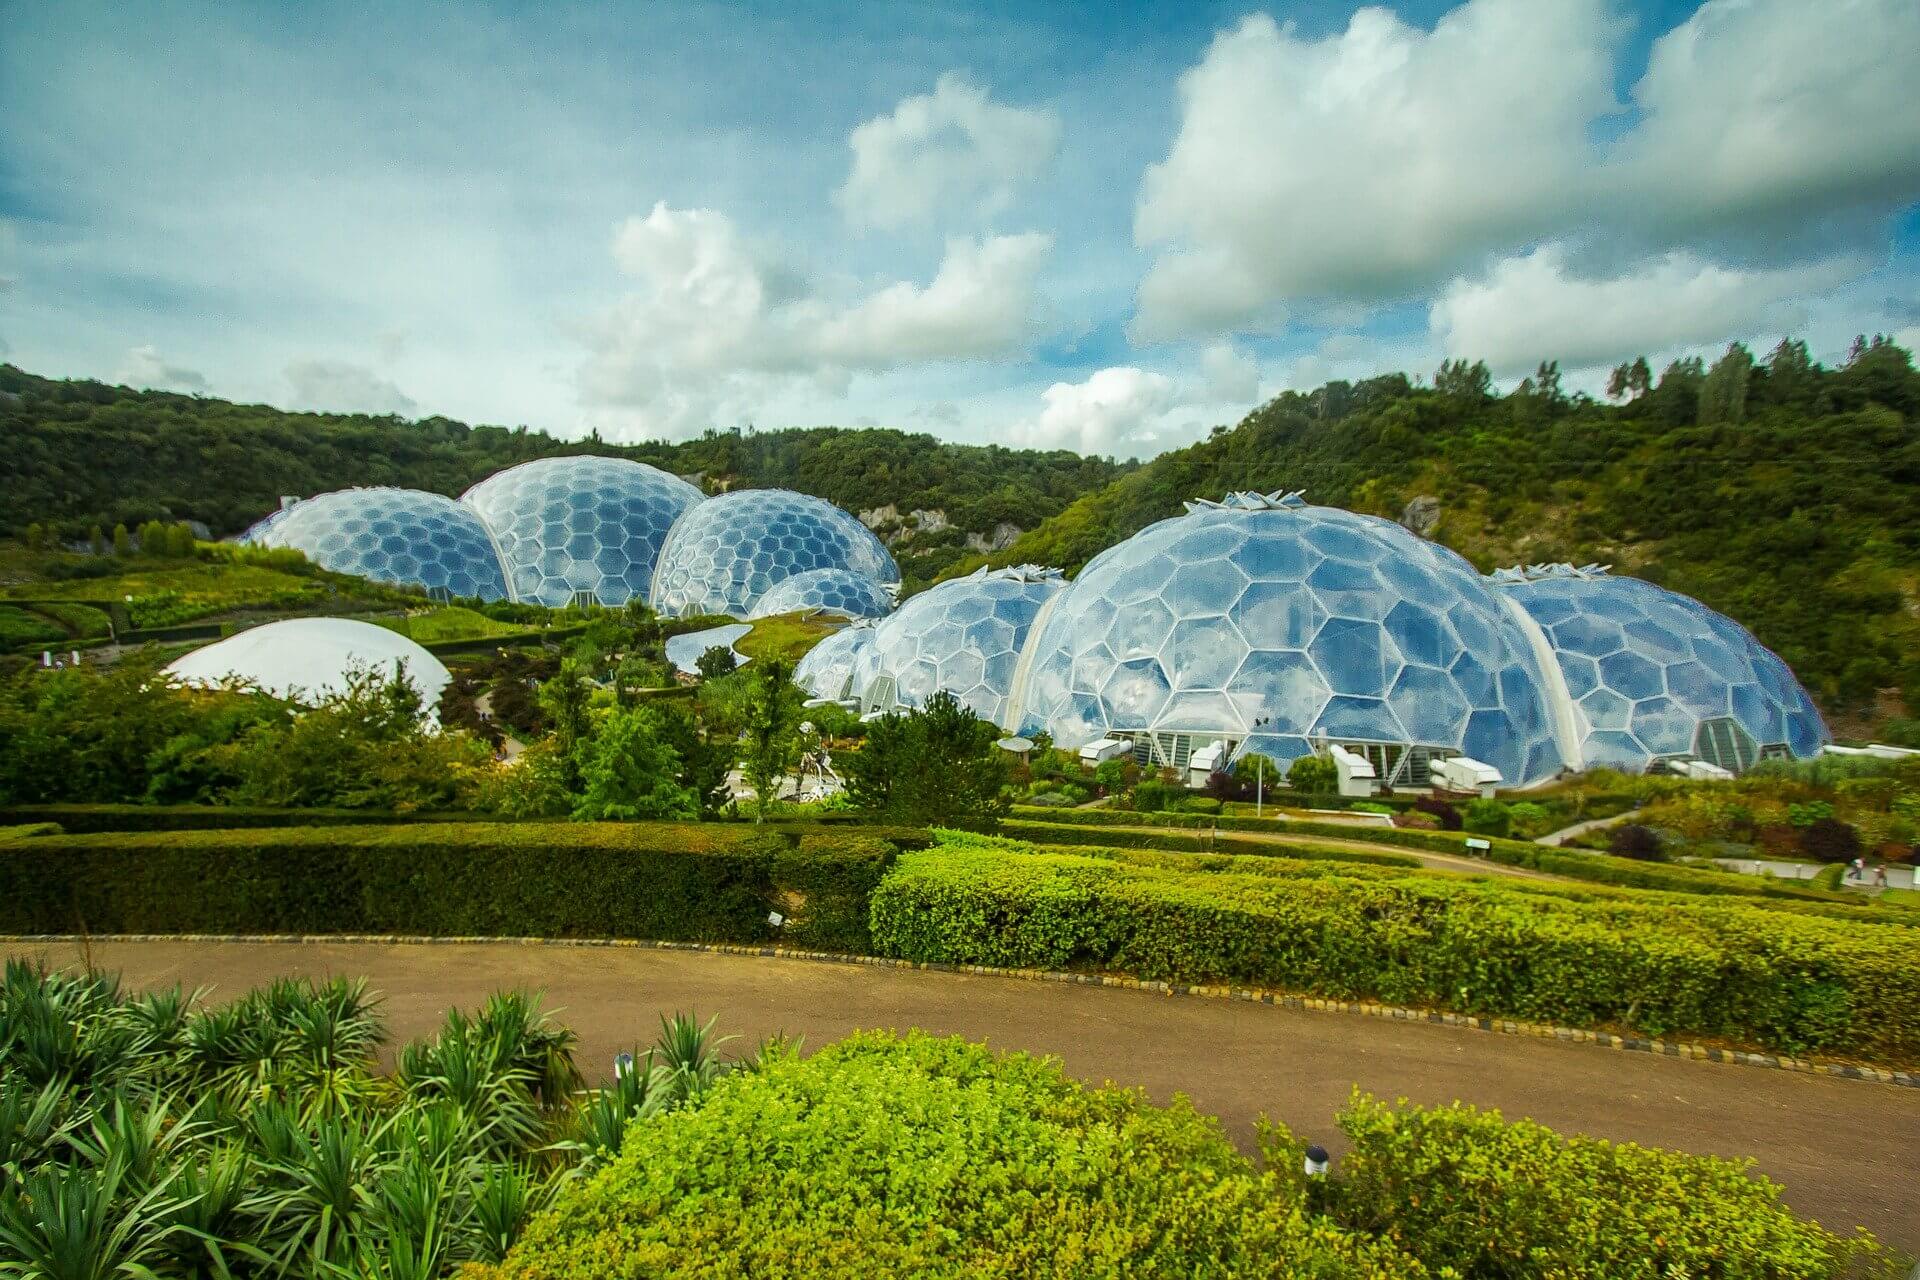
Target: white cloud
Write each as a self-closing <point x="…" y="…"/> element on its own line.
<point x="1126" y="411"/>
<point x="1383" y="161"/>
<point x="709" y="335"/>
<point x="143" y="367"/>
<point x="342" y="387"/>
<point x="1366" y="163"/>
<point x="1115" y="411"/>
<point x="1536" y="307"/>
<point x="1766" y="114"/>
<point x="952" y="148"/>
<point x="1229" y="374"/>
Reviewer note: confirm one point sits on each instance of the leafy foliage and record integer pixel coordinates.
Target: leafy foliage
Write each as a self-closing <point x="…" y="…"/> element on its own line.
<point x="930" y="766"/>
<point x="1788" y="982"/>
<point x="1462" y="1188"/>
<point x="918" y="1156"/>
<point x="151" y="1136"/>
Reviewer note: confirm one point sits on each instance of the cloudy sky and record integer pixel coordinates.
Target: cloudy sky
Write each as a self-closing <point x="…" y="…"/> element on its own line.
<point x="1048" y="226"/>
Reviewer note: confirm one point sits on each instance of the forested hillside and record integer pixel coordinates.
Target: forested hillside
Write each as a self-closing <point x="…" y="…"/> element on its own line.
<point x="76" y="454"/>
<point x="1782" y="493"/>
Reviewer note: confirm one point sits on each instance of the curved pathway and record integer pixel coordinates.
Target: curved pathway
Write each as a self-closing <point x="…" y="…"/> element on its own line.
<point x="1848" y="1152"/>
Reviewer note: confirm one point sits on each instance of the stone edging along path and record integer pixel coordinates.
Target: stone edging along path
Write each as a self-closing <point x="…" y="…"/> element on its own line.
<point x="1500" y="1026"/>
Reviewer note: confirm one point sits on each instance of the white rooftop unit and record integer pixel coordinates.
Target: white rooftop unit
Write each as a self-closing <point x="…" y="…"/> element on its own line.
<point x="1464" y="773"/>
<point x="1357" y="777"/>
<point x="1204" y="762"/>
<point x="1699" y="770"/>
<point x="1876" y="750"/>
<point x="1103" y="749"/>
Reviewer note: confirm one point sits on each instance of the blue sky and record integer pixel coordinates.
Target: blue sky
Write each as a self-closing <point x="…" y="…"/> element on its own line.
<point x="1049" y="226"/>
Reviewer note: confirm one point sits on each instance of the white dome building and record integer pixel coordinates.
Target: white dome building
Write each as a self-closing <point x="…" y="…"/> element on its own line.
<point x="307" y="659"/>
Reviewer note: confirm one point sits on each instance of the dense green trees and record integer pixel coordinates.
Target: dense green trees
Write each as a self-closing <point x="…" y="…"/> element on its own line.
<point x="935" y="766"/>
<point x="81" y="452"/>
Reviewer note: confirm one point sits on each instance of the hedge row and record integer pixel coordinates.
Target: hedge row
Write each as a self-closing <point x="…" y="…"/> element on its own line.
<point x="1131" y="818"/>
<point x="1062" y="833"/>
<point x="86" y="819"/>
<point x="1787" y="982"/>
<point x="1601" y="868"/>
<point x="663" y="881"/>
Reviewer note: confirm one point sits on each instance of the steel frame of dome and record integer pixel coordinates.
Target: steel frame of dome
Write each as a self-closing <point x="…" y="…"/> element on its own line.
<point x="965" y="636"/>
<point x="585" y="526"/>
<point x="1277" y="626"/>
<point x="836" y="591"/>
<point x="724" y="554"/>
<point x="403" y="536"/>
<point x="1650" y="674"/>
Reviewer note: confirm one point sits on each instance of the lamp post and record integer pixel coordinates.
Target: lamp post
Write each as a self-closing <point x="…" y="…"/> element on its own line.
<point x="1259" y="770"/>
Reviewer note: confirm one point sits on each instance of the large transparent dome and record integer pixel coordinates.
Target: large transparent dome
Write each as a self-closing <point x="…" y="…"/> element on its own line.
<point x="1264" y="621"/>
<point x="401" y="536"/>
<point x="964" y="636"/>
<point x="838" y="591"/>
<point x="255" y="534"/>
<point x="826" y="670"/>
<point x="587" y="525"/>
<point x="724" y="554"/>
<point x="1652" y="673"/>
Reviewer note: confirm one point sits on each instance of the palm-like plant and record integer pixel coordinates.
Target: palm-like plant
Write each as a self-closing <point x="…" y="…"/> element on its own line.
<point x="690" y="1054"/>
<point x="72" y="1223"/>
<point x="504" y="1199"/>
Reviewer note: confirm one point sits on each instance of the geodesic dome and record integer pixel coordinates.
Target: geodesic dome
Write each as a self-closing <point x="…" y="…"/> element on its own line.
<point x="568" y="526"/>
<point x="964" y="636"/>
<point x="838" y="591"/>
<point x="1269" y="623"/>
<point x="255" y="533"/>
<point x="306" y="659"/>
<point x="724" y="554"/>
<point x="402" y="536"/>
<point x="826" y="670"/>
<point x="1651" y="673"/>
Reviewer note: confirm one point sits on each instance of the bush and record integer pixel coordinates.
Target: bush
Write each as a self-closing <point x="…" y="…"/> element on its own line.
<point x="1486" y="817"/>
<point x="1440" y="811"/>
<point x="1829" y="876"/>
<point x="1632" y="840"/>
<point x="1313" y="776"/>
<point x="1829" y="840"/>
<point x="665" y="881"/>
<point x="1788" y="982"/>
<point x="1461" y="1188"/>
<point x="1151" y="795"/>
<point x="894" y="1157"/>
<point x="1200" y="804"/>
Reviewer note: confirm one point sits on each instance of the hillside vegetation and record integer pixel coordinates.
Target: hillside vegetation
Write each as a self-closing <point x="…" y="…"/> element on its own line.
<point x="1778" y="491"/>
<point x="79" y="454"/>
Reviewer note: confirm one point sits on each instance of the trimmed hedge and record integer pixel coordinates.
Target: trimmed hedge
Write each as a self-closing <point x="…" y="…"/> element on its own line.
<point x="1786" y="982"/>
<point x="1471" y="1194"/>
<point x="1163" y="818"/>
<point x="884" y="1158"/>
<point x="1601" y="868"/>
<point x="1062" y="833"/>
<point x="662" y="881"/>
<point x="92" y="819"/>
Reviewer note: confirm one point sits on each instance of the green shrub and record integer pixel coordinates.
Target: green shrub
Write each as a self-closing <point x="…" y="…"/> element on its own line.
<point x="1461" y="1188"/>
<point x="1200" y="804"/>
<point x="1784" y="981"/>
<point x="1487" y="818"/>
<point x="1829" y="876"/>
<point x="1370" y="806"/>
<point x="663" y="881"/>
<point x="1151" y="795"/>
<point x="883" y="1157"/>
<point x="1313" y="776"/>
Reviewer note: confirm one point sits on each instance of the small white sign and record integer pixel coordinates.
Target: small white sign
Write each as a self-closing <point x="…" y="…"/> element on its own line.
<point x="1480" y="845"/>
<point x="775" y="919"/>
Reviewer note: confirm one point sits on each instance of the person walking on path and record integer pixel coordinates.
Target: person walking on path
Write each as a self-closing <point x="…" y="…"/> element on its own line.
<point x="1857" y="870"/>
